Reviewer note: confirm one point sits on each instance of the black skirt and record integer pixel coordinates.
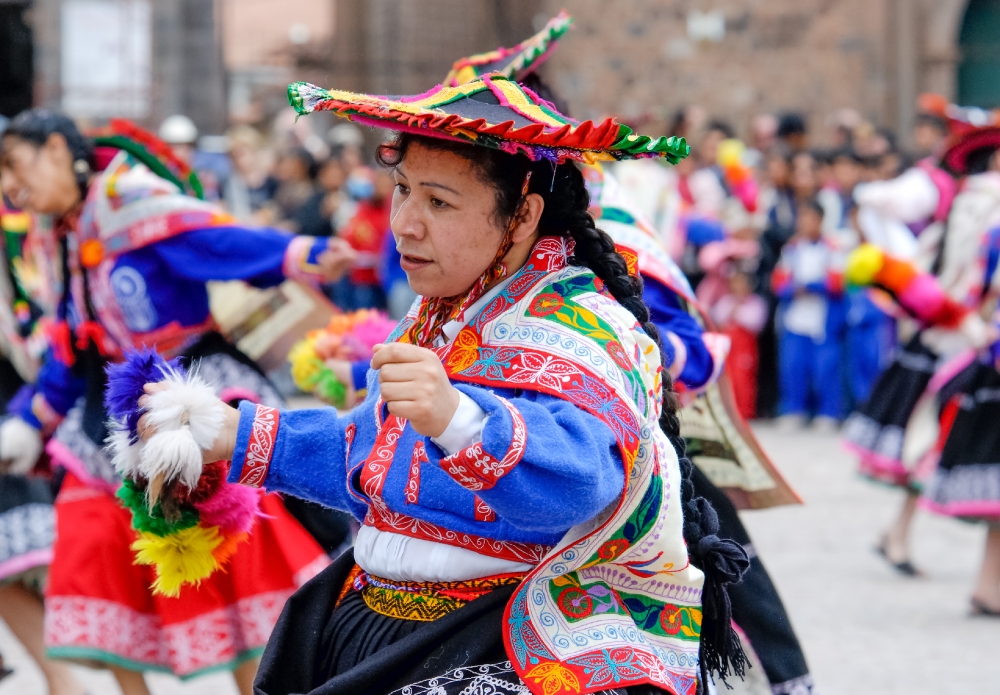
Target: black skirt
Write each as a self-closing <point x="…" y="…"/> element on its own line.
<point x="878" y="426"/>
<point x="967" y="480"/>
<point x="321" y="648"/>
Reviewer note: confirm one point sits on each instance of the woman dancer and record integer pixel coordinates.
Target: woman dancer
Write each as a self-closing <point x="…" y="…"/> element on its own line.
<point x="961" y="472"/>
<point x="508" y="464"/>
<point x="878" y="430"/>
<point x="694" y="357"/>
<point x="135" y="255"/>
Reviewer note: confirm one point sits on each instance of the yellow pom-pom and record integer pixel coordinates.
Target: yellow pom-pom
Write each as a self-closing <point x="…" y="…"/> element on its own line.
<point x="305" y="365"/>
<point x="863" y="264"/>
<point x="730" y="153"/>
<point x="185" y="557"/>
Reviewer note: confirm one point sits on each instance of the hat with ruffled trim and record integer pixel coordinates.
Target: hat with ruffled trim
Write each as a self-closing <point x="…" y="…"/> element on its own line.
<point x="971" y="129"/>
<point x="492" y="111"/>
<point x="516" y="62"/>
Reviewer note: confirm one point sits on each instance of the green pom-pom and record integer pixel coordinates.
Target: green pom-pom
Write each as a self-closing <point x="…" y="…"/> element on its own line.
<point x="329" y="388"/>
<point x="153" y="522"/>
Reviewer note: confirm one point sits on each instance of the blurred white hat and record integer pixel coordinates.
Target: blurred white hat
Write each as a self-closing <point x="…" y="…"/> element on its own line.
<point x="178" y="130"/>
<point x="345" y="134"/>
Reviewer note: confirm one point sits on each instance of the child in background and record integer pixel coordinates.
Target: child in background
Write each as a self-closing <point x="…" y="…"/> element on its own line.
<point x="741" y="315"/>
<point x="365" y="231"/>
<point x="809" y="285"/>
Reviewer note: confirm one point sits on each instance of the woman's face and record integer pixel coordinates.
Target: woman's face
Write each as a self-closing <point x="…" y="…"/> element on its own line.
<point x="442" y="222"/>
<point x="39" y="179"/>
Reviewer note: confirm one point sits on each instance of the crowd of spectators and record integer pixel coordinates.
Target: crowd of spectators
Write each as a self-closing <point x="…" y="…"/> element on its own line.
<point x="762" y="231"/>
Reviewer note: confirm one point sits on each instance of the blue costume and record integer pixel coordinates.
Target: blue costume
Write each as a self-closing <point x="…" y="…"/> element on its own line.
<point x="810" y="286"/>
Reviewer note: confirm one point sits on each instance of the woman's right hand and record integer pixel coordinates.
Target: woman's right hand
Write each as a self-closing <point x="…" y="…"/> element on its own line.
<point x="223" y="446"/>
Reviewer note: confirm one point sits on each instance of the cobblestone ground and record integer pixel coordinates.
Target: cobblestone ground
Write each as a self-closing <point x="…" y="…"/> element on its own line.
<point x="865" y="630"/>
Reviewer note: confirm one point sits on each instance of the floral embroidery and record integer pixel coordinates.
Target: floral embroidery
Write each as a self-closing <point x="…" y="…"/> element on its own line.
<point x="475" y="469"/>
<point x="617" y="353"/>
<point x="554" y="678"/>
<point x="545" y="304"/>
<point x="260" y="448"/>
<point x="574" y="602"/>
<point x="413" y="482"/>
<point x="613" y="548"/>
<point x="483" y="511"/>
<point x="610" y="666"/>
<point x="670" y="619"/>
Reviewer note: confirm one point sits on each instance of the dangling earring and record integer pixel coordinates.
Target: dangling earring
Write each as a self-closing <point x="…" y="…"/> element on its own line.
<point x="82" y="170"/>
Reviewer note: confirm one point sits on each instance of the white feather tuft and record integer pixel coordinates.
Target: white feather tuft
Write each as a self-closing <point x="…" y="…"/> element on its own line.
<point x="125" y="456"/>
<point x="174" y="455"/>
<point x="191" y="401"/>
<point x="186" y="418"/>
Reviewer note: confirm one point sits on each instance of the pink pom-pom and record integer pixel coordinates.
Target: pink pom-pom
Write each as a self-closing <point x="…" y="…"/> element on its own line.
<point x="233" y="509"/>
<point x="372" y="331"/>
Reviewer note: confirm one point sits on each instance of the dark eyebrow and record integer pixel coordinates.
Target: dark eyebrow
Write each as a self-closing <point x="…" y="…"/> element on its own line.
<point x="428" y="184"/>
<point x="431" y="184"/>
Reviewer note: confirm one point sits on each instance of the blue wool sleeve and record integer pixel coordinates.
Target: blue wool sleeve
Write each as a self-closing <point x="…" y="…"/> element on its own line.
<point x="570" y="468"/>
<point x="309" y="456"/>
<point x="668" y="315"/>
<point x="359" y="374"/>
<point x="254" y="255"/>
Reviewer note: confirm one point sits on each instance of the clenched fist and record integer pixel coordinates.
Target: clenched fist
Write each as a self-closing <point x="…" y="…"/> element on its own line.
<point x="415" y="386"/>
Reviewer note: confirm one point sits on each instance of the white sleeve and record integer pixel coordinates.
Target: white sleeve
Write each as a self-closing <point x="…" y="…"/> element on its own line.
<point x="465" y="428"/>
<point x="910" y="197"/>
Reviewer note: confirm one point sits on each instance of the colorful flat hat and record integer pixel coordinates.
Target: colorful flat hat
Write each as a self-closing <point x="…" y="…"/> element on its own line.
<point x="516" y="62"/>
<point x="971" y="129"/>
<point x="121" y="134"/>
<point x="492" y="111"/>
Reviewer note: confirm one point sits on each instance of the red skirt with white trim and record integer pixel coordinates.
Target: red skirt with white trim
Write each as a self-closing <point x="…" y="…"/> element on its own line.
<point x="99" y="607"/>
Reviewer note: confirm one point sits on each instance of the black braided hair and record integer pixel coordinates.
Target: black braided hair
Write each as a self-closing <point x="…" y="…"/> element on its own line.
<point x="566" y="213"/>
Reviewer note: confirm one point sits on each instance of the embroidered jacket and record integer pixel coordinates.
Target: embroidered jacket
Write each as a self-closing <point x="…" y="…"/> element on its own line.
<point x="571" y="456"/>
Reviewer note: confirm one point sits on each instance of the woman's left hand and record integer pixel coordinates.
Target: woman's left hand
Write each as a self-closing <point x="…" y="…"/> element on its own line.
<point x="415" y="386"/>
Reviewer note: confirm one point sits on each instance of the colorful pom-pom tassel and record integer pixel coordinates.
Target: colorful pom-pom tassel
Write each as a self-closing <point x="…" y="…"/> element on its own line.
<point x="185" y="557"/>
<point x="864" y="264"/>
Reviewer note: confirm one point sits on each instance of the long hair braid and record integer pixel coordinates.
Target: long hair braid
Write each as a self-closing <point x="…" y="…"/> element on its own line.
<point x="566" y="213"/>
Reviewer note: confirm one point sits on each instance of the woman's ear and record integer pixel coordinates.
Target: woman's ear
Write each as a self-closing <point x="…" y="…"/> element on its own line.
<point x="528" y="217"/>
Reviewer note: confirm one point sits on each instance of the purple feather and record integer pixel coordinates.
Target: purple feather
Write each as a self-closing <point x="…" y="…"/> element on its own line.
<point x="125" y="382"/>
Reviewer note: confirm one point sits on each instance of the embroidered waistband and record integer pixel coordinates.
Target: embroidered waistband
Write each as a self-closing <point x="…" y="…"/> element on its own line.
<point x="423" y="601"/>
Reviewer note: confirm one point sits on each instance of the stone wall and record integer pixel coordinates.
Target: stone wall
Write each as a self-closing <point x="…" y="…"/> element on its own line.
<point x="638" y="57"/>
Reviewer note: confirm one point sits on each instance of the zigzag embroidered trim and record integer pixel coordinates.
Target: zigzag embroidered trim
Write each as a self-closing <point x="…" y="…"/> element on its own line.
<point x="260" y="448"/>
<point x="424" y="601"/>
<point x="475" y="469"/>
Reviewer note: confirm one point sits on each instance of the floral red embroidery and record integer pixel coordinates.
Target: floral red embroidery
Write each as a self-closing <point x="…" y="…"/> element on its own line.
<point x="475" y="469"/>
<point x="618" y="354"/>
<point x="612" y="549"/>
<point x="260" y="448"/>
<point x="575" y="602"/>
<point x="546" y="304"/>
<point x="670" y="619"/>
<point x="373" y="475"/>
<point x="413" y="481"/>
<point x="484" y="512"/>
